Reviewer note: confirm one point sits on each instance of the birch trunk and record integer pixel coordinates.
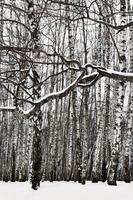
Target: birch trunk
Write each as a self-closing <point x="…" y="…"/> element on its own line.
<point x="37" y="117"/>
<point x="120" y="90"/>
<point x="128" y="144"/>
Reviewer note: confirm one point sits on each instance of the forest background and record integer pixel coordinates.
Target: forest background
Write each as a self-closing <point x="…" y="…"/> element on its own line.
<point x="66" y="92"/>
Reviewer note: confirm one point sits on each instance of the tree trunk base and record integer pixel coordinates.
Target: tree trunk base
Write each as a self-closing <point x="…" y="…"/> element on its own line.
<point x="127" y="180"/>
<point x="83" y="182"/>
<point x="113" y="183"/>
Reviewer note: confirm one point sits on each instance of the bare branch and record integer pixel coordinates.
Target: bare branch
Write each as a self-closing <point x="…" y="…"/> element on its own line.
<point x="16" y="22"/>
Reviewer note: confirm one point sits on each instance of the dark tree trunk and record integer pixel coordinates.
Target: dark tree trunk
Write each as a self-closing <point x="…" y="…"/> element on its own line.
<point x="13" y="164"/>
<point x="37" y="116"/>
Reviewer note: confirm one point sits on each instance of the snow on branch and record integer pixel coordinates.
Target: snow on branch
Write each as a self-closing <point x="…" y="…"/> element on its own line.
<point x="26" y="113"/>
<point x="61" y="93"/>
<point x="91" y="82"/>
<point x="101" y="71"/>
<point x="7" y="108"/>
<point x="88" y="78"/>
<point x="51" y="96"/>
<point x="82" y="81"/>
<point x="124" y="76"/>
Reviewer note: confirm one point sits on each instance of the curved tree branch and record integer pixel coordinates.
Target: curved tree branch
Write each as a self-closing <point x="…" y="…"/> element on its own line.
<point x="82" y="81"/>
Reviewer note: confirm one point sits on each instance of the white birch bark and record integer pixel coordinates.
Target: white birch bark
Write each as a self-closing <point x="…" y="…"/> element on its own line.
<point x="128" y="141"/>
<point x="37" y="116"/>
<point x="120" y="91"/>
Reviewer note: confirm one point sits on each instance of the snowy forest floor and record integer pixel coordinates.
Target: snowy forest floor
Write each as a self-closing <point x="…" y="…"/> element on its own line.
<point x="66" y="191"/>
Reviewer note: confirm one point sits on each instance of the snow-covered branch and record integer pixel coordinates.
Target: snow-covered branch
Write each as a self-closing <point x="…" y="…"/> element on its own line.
<point x="82" y="81"/>
<point x="7" y="108"/>
<point x="124" y="76"/>
<point x="116" y="75"/>
<point x="45" y="99"/>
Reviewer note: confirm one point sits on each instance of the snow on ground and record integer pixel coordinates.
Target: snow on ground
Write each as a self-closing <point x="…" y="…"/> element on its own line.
<point x="66" y="191"/>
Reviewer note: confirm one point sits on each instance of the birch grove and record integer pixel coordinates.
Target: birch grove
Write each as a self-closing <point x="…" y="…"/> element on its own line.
<point x="66" y="85"/>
